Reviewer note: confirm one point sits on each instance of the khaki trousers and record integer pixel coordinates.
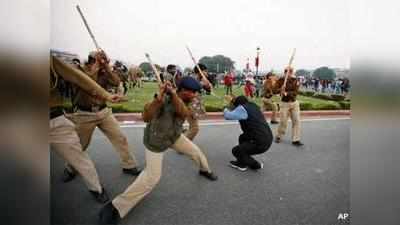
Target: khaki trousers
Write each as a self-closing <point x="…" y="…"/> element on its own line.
<point x="139" y="82"/>
<point x="193" y="129"/>
<point x="151" y="175"/>
<point x="267" y="102"/>
<point x="64" y="140"/>
<point x="86" y="122"/>
<point x="292" y="110"/>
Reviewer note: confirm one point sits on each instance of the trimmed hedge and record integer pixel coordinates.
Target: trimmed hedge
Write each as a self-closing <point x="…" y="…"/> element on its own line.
<point x="306" y="106"/>
<point x="330" y="97"/>
<point x="322" y="96"/>
<point x="307" y="93"/>
<point x="337" y="97"/>
<point x="328" y="107"/>
<point x="345" y="104"/>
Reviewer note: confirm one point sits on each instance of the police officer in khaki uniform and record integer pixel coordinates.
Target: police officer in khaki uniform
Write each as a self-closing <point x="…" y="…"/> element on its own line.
<point x="122" y="72"/>
<point x="135" y="75"/>
<point x="63" y="138"/>
<point x="268" y="93"/>
<point x="164" y="116"/>
<point x="289" y="107"/>
<point x="196" y="105"/>
<point x="92" y="112"/>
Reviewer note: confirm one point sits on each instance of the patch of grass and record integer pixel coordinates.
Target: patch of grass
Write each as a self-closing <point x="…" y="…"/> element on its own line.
<point x="137" y="98"/>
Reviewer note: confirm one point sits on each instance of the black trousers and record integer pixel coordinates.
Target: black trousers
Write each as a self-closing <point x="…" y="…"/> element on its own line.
<point x="246" y="149"/>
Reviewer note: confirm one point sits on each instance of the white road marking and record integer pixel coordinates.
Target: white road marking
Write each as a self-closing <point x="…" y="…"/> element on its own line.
<point x="128" y="124"/>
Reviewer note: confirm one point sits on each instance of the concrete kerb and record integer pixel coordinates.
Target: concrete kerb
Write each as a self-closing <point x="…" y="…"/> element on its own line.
<point x="219" y="115"/>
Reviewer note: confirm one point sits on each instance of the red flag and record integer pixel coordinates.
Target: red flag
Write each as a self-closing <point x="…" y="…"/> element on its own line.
<point x="257" y="61"/>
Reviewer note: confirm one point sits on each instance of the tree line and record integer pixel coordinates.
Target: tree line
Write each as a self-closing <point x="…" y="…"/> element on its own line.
<point x="222" y="64"/>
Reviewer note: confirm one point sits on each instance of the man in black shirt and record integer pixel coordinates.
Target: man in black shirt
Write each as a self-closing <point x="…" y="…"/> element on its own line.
<point x="257" y="135"/>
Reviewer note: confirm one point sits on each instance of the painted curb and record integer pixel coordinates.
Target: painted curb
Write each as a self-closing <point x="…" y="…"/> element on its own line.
<point x="219" y="115"/>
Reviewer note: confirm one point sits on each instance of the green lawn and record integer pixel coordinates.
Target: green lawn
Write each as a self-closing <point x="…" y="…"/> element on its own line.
<point x="139" y="97"/>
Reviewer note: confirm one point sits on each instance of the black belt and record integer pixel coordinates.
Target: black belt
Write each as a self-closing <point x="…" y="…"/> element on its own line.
<point x="56" y="112"/>
<point x="91" y="108"/>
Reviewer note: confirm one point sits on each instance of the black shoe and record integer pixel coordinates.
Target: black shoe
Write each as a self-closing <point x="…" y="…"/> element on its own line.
<point x="237" y="165"/>
<point x="208" y="175"/>
<point x="68" y="175"/>
<point x="100" y="197"/>
<point x="261" y="166"/>
<point x="109" y="215"/>
<point x="277" y="140"/>
<point x="274" y="122"/>
<point x="297" y="143"/>
<point x="132" y="171"/>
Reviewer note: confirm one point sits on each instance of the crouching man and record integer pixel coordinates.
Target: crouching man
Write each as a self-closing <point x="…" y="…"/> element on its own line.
<point x="257" y="135"/>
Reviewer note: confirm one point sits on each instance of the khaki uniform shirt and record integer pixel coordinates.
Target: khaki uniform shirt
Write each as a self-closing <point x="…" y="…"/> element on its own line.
<point x="75" y="76"/>
<point x="101" y="77"/>
<point x="292" y="88"/>
<point x="164" y="122"/>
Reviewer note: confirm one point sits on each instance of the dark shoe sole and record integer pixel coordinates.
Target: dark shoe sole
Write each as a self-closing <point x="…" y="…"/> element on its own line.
<point x="68" y="176"/>
<point x="101" y="198"/>
<point x="297" y="144"/>
<point x="130" y="172"/>
<point x="237" y="167"/>
<point x="256" y="169"/>
<point x="211" y="176"/>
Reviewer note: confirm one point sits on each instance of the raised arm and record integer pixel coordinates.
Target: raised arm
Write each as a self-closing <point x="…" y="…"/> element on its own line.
<point x="80" y="79"/>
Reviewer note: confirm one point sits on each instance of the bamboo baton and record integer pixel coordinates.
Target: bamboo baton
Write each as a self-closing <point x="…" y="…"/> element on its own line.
<point x="201" y="72"/>
<point x="154" y="68"/>
<point x="88" y="28"/>
<point x="287" y="74"/>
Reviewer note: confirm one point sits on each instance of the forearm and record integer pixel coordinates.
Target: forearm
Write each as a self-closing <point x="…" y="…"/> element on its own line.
<point x="180" y="108"/>
<point x="239" y="113"/>
<point x="205" y="84"/>
<point x="80" y="79"/>
<point x="150" y="109"/>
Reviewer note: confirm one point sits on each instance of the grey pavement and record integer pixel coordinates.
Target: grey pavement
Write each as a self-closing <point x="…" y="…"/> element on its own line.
<point x="298" y="186"/>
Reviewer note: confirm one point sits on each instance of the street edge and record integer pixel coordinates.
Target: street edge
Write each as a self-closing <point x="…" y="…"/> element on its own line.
<point x="219" y="115"/>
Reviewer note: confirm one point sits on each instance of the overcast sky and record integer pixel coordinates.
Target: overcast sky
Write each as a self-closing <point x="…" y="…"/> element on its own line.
<point x="127" y="29"/>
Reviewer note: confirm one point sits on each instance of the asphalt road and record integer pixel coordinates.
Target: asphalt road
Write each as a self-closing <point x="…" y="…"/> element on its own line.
<point x="298" y="186"/>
